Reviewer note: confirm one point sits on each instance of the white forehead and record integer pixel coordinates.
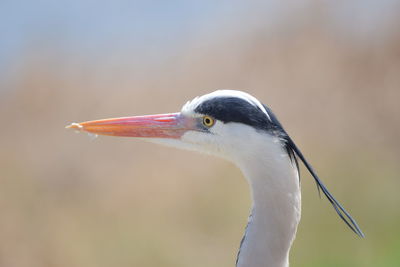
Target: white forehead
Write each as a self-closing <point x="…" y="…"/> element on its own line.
<point x="190" y="106"/>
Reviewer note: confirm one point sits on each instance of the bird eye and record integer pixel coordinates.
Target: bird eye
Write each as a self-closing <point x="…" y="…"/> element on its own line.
<point x="208" y="121"/>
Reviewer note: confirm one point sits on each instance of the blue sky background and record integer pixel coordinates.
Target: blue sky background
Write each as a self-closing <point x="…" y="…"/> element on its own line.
<point x="91" y="28"/>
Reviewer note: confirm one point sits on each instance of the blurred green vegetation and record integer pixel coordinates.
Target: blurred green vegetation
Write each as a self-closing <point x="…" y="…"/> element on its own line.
<point x="66" y="200"/>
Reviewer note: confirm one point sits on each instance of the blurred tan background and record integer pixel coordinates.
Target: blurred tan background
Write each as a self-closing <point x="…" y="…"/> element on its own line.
<point x="329" y="69"/>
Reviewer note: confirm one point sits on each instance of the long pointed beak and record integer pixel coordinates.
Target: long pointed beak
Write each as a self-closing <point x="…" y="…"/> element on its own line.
<point x="172" y="125"/>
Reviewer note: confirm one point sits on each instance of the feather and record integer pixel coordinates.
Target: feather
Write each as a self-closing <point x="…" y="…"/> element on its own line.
<point x="294" y="151"/>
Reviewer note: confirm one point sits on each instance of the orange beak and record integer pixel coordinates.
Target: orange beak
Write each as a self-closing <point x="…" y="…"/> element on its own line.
<point x="172" y="125"/>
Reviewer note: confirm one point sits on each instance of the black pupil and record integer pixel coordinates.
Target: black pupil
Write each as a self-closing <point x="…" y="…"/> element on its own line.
<point x="208" y="121"/>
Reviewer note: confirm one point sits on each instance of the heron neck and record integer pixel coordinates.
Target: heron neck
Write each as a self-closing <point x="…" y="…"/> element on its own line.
<point x="276" y="209"/>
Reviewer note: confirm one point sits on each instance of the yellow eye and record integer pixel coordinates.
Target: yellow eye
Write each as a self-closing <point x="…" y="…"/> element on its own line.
<point x="208" y="121"/>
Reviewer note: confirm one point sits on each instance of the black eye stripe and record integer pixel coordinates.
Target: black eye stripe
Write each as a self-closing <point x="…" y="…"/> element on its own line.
<point x="234" y="109"/>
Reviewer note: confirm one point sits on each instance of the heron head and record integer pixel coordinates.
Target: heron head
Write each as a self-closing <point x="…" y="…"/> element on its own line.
<point x="221" y="123"/>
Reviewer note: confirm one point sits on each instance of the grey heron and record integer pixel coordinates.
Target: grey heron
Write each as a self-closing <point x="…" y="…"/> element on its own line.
<point x="237" y="127"/>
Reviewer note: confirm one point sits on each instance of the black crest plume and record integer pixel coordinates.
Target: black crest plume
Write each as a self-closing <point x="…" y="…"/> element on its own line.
<point x="294" y="152"/>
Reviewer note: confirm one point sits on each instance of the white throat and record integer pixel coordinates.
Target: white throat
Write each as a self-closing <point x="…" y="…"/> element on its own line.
<point x="275" y="191"/>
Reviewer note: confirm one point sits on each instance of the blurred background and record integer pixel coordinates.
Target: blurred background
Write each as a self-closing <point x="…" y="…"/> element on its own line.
<point x="329" y="69"/>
